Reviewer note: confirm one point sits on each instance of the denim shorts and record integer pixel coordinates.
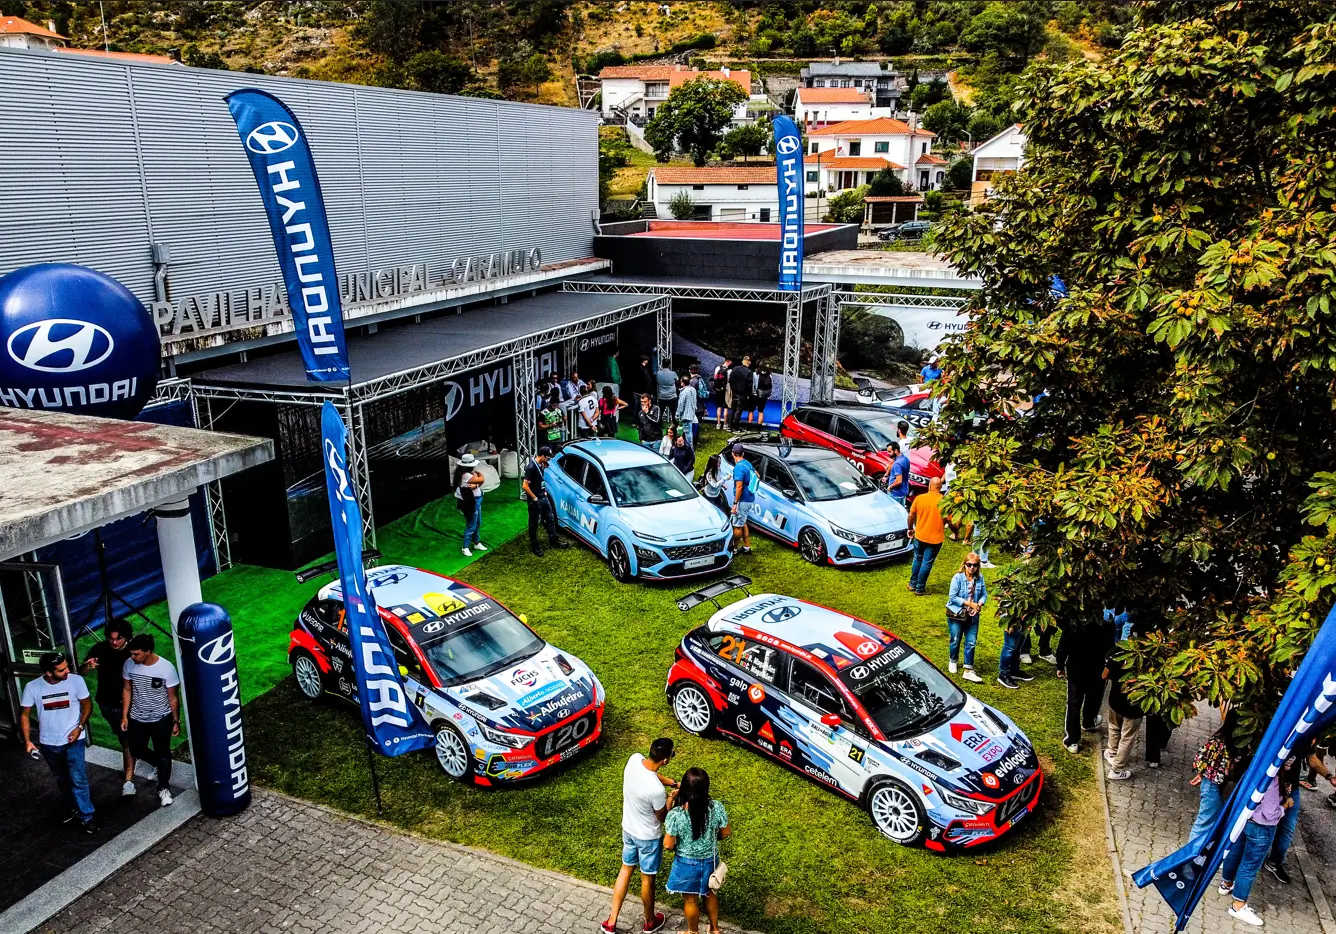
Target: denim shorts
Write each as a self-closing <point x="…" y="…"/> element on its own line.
<point x="691" y="876"/>
<point x="647" y="854"/>
<point x="739" y="518"/>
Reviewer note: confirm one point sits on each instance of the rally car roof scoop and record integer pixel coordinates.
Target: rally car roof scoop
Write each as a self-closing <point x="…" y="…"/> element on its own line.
<point x="711" y="593"/>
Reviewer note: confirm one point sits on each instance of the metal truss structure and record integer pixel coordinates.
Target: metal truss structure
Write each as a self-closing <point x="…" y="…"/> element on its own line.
<point x="825" y="344"/>
<point x="524" y="373"/>
<point x="792" y="301"/>
<point x="900" y="300"/>
<point x="213" y="492"/>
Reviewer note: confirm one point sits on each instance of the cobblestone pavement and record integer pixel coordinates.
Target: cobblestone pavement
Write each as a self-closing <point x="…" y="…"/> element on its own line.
<point x="285" y="865"/>
<point x="1152" y="814"/>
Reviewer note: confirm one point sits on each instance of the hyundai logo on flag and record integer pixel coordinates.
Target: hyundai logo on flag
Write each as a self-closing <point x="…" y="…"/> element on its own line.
<point x="454" y="399"/>
<point x="219" y="651"/>
<point x="787" y="145"/>
<point x="272" y="137"/>
<point x="60" y="345"/>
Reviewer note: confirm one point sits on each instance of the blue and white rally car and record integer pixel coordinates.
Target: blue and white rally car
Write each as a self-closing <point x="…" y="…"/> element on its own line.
<point x="817" y="501"/>
<point x="853" y="707"/>
<point x="503" y="703"/>
<point x="637" y="510"/>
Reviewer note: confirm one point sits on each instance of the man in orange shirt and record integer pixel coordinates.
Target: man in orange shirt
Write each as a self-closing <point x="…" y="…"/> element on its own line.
<point x="925" y="524"/>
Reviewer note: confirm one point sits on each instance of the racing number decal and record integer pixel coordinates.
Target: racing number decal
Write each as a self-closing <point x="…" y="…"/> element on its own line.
<point x="732" y="649"/>
<point x="856" y="753"/>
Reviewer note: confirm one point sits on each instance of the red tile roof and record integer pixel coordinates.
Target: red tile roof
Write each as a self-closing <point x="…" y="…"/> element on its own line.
<point x="829" y="160"/>
<point x="673" y="74"/>
<point x="929" y="158"/>
<point x="17" y="26"/>
<point x="714" y="175"/>
<point x="124" y="56"/>
<point x="880" y="126"/>
<point x="833" y="95"/>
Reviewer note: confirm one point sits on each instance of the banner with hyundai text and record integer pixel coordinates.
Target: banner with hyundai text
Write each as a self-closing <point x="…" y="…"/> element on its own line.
<point x="285" y="172"/>
<point x="1307" y="707"/>
<point x="392" y="723"/>
<point x="789" y="175"/>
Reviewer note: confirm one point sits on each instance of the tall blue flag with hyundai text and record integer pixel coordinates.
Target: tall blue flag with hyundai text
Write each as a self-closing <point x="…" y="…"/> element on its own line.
<point x="789" y="175"/>
<point x="281" y="160"/>
<point x="1183" y="877"/>
<point x="393" y="723"/>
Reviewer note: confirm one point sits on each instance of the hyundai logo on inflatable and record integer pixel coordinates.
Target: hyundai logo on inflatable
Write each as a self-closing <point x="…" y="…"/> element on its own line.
<point x="74" y="340"/>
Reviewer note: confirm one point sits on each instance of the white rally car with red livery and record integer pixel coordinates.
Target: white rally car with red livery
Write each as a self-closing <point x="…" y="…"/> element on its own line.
<point x="855" y="708"/>
<point x="504" y="704"/>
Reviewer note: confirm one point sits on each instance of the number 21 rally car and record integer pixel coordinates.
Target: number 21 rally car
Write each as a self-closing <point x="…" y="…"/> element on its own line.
<point x="504" y="704"/>
<point x="857" y="710"/>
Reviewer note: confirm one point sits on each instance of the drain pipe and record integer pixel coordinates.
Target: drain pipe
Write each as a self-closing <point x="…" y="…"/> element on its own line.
<point x="162" y="256"/>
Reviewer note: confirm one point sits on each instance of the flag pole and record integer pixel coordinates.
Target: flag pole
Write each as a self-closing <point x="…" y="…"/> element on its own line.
<point x="375" y="780"/>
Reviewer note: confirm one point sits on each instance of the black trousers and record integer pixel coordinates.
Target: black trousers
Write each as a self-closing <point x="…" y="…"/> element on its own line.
<point x="541" y="511"/>
<point x="159" y="734"/>
<point x="1085" y="695"/>
<point x="1045" y="642"/>
<point x="1157" y="736"/>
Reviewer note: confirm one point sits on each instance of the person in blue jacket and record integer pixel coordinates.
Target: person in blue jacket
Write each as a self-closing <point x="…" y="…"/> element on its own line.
<point x="965" y="599"/>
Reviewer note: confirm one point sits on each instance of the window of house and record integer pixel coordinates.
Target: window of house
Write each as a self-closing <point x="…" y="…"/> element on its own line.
<point x="765" y="215"/>
<point x="818" y="82"/>
<point x="742" y="188"/>
<point x="812" y="176"/>
<point x="856" y="148"/>
<point x="883" y="146"/>
<point x="814" y="145"/>
<point x="697" y="187"/>
<point x="924" y="150"/>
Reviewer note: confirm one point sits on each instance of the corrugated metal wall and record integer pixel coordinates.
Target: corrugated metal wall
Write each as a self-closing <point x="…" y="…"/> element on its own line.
<point x="103" y="158"/>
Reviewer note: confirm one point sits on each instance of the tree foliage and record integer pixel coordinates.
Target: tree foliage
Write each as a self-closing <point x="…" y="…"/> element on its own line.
<point x="886" y="184"/>
<point x="948" y="120"/>
<point x="681" y="206"/>
<point x="750" y="139"/>
<point x="440" y="73"/>
<point x="1182" y="459"/>
<point x="1009" y="30"/>
<point x="847" y="206"/>
<point x="693" y="118"/>
<point x="614" y="152"/>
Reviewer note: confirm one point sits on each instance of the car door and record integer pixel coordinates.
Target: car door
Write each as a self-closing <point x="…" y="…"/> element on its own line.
<point x="850" y="441"/>
<point x="416" y="683"/>
<point x="775" y="511"/>
<point x="594" y="505"/>
<point x="573" y="507"/>
<point x="563" y="479"/>
<point x="834" y="752"/>
<point x="749" y="669"/>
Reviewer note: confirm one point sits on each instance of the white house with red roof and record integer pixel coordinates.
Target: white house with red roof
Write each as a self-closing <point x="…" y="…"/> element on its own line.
<point x="819" y="107"/>
<point x="17" y="33"/>
<point x="1004" y="154"/>
<point x="848" y="154"/>
<point x="717" y="193"/>
<point x="637" y="91"/>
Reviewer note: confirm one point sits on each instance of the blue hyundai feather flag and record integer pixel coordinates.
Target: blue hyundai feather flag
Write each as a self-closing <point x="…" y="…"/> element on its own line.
<point x="1307" y="707"/>
<point x="285" y="172"/>
<point x="393" y="724"/>
<point x="789" y="175"/>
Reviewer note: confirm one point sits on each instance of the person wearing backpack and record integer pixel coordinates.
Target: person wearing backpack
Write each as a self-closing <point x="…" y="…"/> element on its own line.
<point x="719" y="392"/>
<point x="468" y="498"/>
<point x="764" y="385"/>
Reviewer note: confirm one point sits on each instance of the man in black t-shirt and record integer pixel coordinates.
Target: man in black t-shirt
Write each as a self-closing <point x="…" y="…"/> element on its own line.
<point x="107" y="658"/>
<point x="540" y="506"/>
<point x="740" y="389"/>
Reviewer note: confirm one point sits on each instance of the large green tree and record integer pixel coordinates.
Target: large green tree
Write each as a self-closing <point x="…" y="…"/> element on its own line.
<point x="1181" y="459"/>
<point x="693" y="118"/>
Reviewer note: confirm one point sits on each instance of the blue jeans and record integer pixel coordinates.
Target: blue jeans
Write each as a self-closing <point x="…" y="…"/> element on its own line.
<point x="969" y="629"/>
<point x="1212" y="802"/>
<point x="1010" y="662"/>
<point x="924" y="556"/>
<point x="1246" y="857"/>
<point x="473" y="523"/>
<point x="67" y="765"/>
<point x="1285" y="832"/>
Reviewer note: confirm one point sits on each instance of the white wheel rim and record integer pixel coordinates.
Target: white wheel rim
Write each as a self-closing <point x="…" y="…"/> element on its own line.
<point x="811" y="547"/>
<point x="308" y="677"/>
<point x="692" y="709"/>
<point x="894" y="812"/>
<point x="450" y="753"/>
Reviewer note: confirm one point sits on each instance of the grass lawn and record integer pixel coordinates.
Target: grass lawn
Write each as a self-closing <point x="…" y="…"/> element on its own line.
<point x="801" y="859"/>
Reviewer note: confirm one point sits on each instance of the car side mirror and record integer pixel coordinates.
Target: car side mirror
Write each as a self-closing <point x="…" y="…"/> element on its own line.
<point x="790" y="493"/>
<point x="860" y="447"/>
<point x="830" y="719"/>
<point x="596" y="499"/>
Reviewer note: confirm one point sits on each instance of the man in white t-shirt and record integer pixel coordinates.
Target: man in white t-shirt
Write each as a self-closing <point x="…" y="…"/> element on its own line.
<point x="152" y="709"/>
<point x="63" y="708"/>
<point x="644" y="804"/>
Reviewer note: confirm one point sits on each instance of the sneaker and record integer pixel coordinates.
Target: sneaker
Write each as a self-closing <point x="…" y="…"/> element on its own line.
<point x="920" y="593"/>
<point x="1225" y="888"/>
<point x="909" y="587"/>
<point x="1022" y="676"/>
<point x="1026" y="659"/>
<point x="1278" y="871"/>
<point x="1073" y="748"/>
<point x="128" y="789"/>
<point x="1007" y="683"/>
<point x="1050" y="658"/>
<point x="1152" y="765"/>
<point x="969" y="675"/>
<point x="607" y="928"/>
<point x="479" y="546"/>
<point x="537" y="550"/>
<point x="988" y="564"/>
<point x="659" y="921"/>
<point x="745" y="550"/>
<point x="1109" y="754"/>
<point x="560" y="543"/>
<point x="951" y="667"/>
<point x="1246" y="915"/>
<point x="1117" y="776"/>
<point x="466" y="552"/>
<point x="165" y="797"/>
<point x="88" y="826"/>
<point x="1096" y="726"/>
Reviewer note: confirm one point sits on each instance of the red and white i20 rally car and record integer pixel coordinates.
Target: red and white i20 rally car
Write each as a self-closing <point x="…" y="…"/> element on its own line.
<point x="856" y="709"/>
<point x="504" y="704"/>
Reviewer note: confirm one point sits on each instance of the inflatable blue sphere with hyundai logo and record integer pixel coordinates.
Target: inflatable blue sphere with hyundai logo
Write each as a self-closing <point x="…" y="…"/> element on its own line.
<point x="75" y="340"/>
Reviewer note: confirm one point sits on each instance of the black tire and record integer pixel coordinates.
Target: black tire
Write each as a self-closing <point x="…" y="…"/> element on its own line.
<point x="896" y="812"/>
<point x="310" y="681"/>
<point x="812" y="546"/>
<point x="693" y="710"/>
<point x="619" y="561"/>
<point x="452" y="753"/>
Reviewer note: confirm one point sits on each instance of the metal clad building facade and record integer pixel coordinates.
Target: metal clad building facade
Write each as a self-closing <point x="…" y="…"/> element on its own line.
<point x="104" y="158"/>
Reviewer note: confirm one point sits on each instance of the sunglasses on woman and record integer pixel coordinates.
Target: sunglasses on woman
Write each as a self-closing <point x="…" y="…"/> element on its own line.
<point x="971" y="564"/>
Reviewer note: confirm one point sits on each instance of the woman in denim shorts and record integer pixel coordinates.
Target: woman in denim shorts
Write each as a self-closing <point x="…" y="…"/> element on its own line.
<point x="693" y="830"/>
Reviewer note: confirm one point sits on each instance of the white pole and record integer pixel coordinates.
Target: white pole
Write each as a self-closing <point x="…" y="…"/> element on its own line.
<point x="180" y="573"/>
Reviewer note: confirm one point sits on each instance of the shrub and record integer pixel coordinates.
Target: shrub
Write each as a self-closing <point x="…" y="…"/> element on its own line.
<point x="681" y="206"/>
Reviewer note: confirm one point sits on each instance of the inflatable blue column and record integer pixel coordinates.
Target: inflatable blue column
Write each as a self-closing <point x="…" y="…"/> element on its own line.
<point x="213" y="700"/>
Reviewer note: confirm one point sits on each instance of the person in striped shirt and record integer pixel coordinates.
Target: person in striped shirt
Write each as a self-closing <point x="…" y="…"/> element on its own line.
<point x="152" y="709"/>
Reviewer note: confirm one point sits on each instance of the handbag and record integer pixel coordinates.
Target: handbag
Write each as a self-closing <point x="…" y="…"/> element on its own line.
<point x="718" y="876"/>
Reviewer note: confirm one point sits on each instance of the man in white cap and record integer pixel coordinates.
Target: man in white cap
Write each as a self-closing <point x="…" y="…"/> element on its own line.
<point x="468" y="497"/>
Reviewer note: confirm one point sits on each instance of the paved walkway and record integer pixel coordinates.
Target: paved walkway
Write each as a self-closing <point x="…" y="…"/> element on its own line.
<point x="286" y="865"/>
<point x="1152" y="814"/>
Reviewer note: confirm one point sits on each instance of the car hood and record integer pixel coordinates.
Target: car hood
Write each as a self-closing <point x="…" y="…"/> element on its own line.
<point x="535" y="694"/>
<point x="695" y="519"/>
<point x="870" y="514"/>
<point x="994" y="762"/>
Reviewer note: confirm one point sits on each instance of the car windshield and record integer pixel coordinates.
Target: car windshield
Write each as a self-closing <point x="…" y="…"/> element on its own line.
<point x="902" y="692"/>
<point x="650" y="485"/>
<point x="481" y="649"/>
<point x="829" y="479"/>
<point x="880" y="431"/>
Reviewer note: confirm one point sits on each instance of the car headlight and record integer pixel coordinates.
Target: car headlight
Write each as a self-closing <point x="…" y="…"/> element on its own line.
<point x="648" y="538"/>
<point x="647" y="555"/>
<point x="728" y="524"/>
<point x="968" y="805"/>
<point x="847" y="535"/>
<point x="504" y="739"/>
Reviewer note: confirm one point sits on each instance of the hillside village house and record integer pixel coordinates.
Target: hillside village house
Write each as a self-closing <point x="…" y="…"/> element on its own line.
<point x="1004" y="154"/>
<point x="718" y="193"/>
<point x="818" y="107"/>
<point x="635" y="92"/>
<point x="848" y="154"/>
<point x="874" y="77"/>
<point x="18" y="33"/>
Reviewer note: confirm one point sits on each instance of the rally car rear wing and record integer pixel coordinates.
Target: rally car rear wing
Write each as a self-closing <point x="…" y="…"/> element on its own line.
<point x="369" y="558"/>
<point x="713" y="592"/>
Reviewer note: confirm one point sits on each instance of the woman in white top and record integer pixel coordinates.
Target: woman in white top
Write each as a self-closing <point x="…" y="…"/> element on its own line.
<point x="712" y="482"/>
